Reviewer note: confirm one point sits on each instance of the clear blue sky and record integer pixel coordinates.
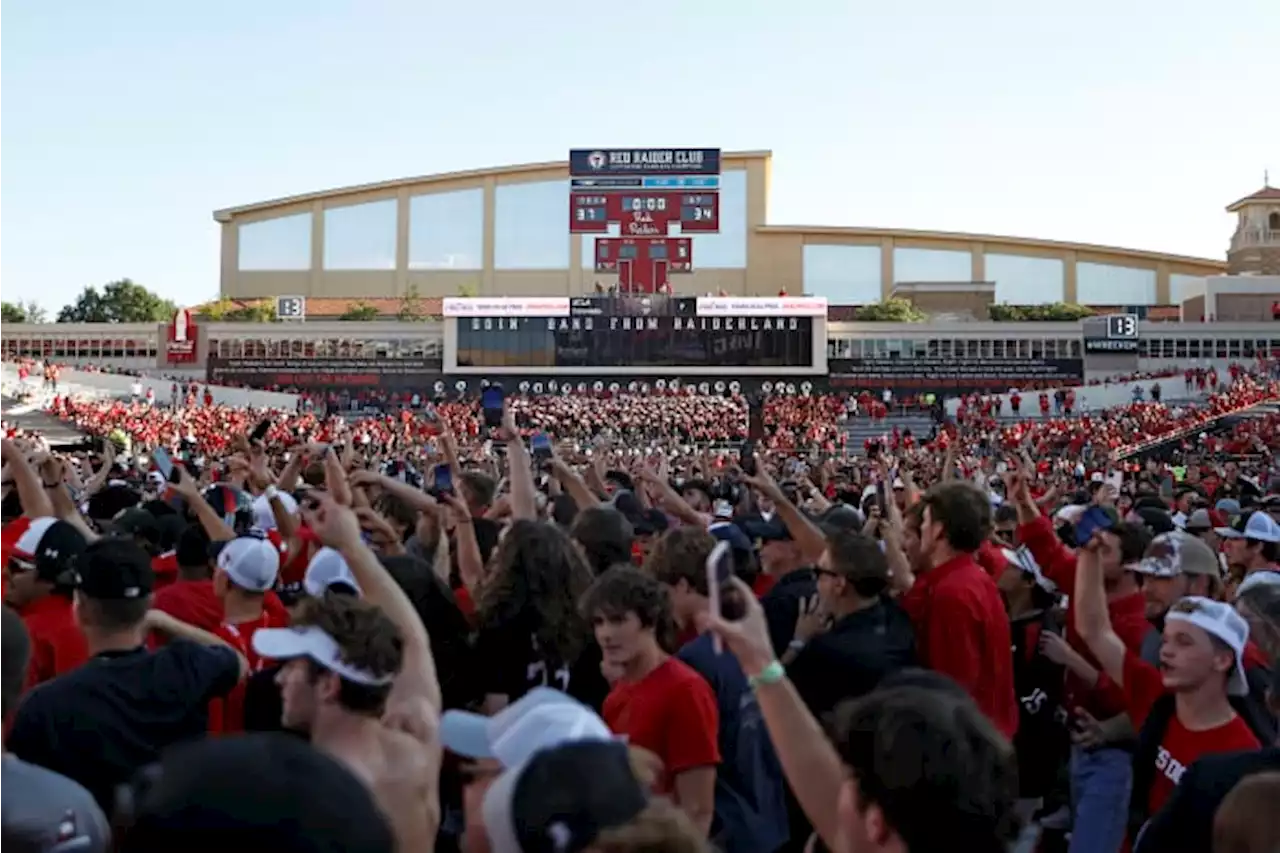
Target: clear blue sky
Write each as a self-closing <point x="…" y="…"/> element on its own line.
<point x="126" y="124"/>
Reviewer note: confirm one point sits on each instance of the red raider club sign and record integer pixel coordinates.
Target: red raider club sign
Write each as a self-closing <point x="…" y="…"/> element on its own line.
<point x="182" y="337"/>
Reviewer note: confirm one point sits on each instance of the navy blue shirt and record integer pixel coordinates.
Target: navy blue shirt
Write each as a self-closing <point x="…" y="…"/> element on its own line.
<point x="849" y="660"/>
<point x="750" y="796"/>
<point x="101" y="723"/>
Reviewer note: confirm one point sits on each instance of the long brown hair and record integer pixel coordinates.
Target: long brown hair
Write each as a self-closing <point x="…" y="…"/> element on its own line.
<point x="536" y="580"/>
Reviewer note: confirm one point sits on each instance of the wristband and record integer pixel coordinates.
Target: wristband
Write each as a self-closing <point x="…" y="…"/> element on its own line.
<point x="771" y="674"/>
<point x="796" y="645"/>
<point x="270" y="493"/>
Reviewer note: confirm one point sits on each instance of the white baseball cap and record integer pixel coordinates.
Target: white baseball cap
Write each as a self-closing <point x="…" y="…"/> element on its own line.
<point x="263" y="516"/>
<point x="315" y="643"/>
<point x="327" y="569"/>
<point x="1218" y="620"/>
<point x="543" y="718"/>
<point x="250" y="562"/>
<point x="1260" y="527"/>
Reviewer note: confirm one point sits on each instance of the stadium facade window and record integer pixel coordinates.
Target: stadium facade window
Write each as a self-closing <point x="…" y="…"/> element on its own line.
<point x="446" y="230"/>
<point x="1106" y="284"/>
<point x="530" y="226"/>
<point x="360" y="236"/>
<point x="845" y="275"/>
<point x="726" y="250"/>
<point x="1024" y="280"/>
<point x="283" y="243"/>
<point x="1183" y="287"/>
<point x="910" y="265"/>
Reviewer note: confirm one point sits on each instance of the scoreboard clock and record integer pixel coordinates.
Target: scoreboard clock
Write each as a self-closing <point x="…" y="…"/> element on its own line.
<point x="644" y="213"/>
<point x="1114" y="333"/>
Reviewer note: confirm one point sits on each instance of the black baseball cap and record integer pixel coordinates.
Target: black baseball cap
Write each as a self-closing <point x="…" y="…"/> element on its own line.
<point x="137" y="522"/>
<point x="268" y="791"/>
<point x="115" y="569"/>
<point x="560" y="800"/>
<point x="50" y="547"/>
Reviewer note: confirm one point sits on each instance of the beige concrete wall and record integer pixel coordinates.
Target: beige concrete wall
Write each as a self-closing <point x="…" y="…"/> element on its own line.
<point x="774" y="253"/>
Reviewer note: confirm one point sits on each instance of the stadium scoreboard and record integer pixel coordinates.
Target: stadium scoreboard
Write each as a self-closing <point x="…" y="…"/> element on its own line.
<point x="628" y="332"/>
<point x="644" y="193"/>
<point x="1114" y="333"/>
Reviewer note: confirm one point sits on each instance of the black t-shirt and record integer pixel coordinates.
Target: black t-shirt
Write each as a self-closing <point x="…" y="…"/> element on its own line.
<point x="510" y="664"/>
<point x="102" y="722"/>
<point x="1042" y="741"/>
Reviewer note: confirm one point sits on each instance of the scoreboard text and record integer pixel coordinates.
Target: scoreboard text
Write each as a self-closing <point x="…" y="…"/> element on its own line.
<point x="641" y="331"/>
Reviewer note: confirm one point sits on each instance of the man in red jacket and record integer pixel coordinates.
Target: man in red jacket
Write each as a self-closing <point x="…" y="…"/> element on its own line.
<point x="962" y="629"/>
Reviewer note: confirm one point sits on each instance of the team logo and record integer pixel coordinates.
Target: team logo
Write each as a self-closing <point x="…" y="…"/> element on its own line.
<point x="597" y="160"/>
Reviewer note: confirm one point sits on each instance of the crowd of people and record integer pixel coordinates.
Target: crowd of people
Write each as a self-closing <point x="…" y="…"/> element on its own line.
<point x="624" y="622"/>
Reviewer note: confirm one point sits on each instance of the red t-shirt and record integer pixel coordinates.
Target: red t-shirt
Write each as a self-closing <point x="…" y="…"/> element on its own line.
<point x="1181" y="746"/>
<point x="226" y="715"/>
<point x="9" y="536"/>
<point x="672" y="713"/>
<point x="193" y="602"/>
<point x="57" y="643"/>
<point x="165" y="568"/>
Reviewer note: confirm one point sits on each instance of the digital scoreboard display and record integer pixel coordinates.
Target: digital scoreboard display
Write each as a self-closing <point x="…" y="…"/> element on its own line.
<point x="644" y="331"/>
<point x="1114" y="333"/>
<point x="644" y="213"/>
<point x="631" y="193"/>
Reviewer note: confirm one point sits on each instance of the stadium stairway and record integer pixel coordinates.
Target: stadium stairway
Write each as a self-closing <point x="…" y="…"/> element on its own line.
<point x="861" y="429"/>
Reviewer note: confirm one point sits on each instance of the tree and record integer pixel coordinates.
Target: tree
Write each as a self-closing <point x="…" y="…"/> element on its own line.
<point x="468" y="289"/>
<point x="894" y="310"/>
<point x="120" y="301"/>
<point x="360" y="310"/>
<point x="240" y="311"/>
<point x="24" y="312"/>
<point x="411" y="306"/>
<point x="1056" y="312"/>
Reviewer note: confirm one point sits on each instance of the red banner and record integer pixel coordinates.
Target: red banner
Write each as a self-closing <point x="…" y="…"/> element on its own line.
<point x="181" y="339"/>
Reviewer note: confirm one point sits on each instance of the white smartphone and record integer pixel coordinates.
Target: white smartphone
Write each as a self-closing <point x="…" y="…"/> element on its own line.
<point x="719" y="569"/>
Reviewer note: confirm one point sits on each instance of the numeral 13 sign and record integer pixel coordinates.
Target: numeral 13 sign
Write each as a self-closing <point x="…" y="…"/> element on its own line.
<point x="1122" y="326"/>
<point x="291" y="307"/>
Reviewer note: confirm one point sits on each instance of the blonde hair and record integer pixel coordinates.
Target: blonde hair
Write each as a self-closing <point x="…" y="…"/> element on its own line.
<point x="661" y="828"/>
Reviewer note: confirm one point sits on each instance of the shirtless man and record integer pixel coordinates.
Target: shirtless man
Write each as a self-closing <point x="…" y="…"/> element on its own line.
<point x="360" y="679"/>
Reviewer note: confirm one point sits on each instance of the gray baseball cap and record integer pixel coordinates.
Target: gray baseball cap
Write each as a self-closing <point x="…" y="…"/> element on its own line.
<point x="45" y="812"/>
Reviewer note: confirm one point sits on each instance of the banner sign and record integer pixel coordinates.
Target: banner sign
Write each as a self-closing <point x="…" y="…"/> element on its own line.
<point x="762" y="306"/>
<point x="589" y="162"/>
<point x="321" y="373"/>
<point x="181" y="338"/>
<point x="547" y="306"/>
<point x="935" y="374"/>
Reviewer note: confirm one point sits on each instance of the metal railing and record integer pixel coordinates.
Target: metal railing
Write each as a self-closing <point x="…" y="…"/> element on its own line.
<point x="1255" y="237"/>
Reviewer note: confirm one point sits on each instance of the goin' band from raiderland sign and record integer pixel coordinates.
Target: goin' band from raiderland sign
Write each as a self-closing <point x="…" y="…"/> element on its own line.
<point x="181" y="338"/>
